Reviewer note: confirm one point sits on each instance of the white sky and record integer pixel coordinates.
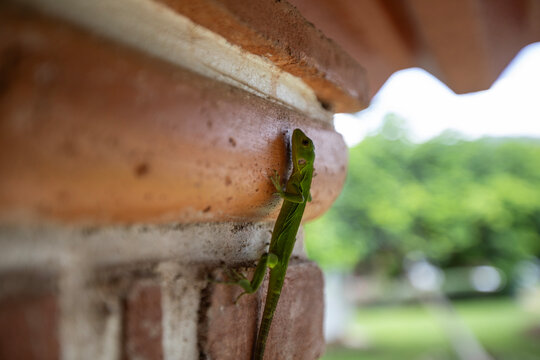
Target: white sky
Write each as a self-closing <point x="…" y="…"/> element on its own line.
<point x="511" y="107"/>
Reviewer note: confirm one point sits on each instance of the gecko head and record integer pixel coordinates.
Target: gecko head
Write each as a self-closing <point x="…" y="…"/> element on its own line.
<point x="303" y="150"/>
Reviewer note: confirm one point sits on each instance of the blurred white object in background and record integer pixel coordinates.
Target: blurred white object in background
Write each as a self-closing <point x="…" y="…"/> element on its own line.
<point x="425" y="277"/>
<point x="337" y="309"/>
<point x="486" y="278"/>
<point x="528" y="282"/>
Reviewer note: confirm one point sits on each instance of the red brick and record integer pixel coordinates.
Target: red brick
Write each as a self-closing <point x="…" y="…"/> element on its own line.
<point x="297" y="328"/>
<point x="279" y="32"/>
<point x="142" y="322"/>
<point x="29" y="326"/>
<point x="227" y="330"/>
<point x="93" y="131"/>
<point x="465" y="43"/>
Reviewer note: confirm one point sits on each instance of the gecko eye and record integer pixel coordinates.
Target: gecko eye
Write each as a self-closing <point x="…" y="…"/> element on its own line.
<point x="305" y="142"/>
<point x="301" y="161"/>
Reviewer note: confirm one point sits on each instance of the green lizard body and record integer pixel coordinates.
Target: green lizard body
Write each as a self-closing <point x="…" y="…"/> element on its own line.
<point x="295" y="196"/>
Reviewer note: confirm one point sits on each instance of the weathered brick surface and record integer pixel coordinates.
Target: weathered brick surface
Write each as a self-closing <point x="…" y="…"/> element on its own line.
<point x="142" y="325"/>
<point x="29" y="326"/>
<point x="279" y="32"/>
<point x="296" y="331"/>
<point x="226" y="329"/>
<point x="96" y="132"/>
<point x="92" y="131"/>
<point x="465" y="43"/>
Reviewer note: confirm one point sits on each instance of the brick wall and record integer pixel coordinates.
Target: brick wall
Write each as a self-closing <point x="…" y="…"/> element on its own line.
<point x="136" y="140"/>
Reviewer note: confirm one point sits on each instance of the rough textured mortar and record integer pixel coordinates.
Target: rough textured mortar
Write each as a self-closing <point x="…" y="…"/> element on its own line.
<point x="58" y="246"/>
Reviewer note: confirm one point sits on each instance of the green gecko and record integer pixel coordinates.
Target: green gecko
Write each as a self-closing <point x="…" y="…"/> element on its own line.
<point x="295" y="196"/>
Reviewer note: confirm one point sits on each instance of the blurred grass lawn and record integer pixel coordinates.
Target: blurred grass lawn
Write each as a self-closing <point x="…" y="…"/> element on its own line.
<point x="411" y="332"/>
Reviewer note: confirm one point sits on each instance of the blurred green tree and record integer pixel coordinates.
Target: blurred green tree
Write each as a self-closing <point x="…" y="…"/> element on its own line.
<point x="459" y="202"/>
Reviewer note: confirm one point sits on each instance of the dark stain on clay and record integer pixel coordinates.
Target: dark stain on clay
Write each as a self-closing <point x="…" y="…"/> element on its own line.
<point x="207" y="209"/>
<point x="89" y="231"/>
<point x="62" y="196"/>
<point x="325" y="104"/>
<point x="10" y="59"/>
<point x="69" y="148"/>
<point x="202" y="318"/>
<point x="141" y="169"/>
<point x="232" y="142"/>
<point x="238" y="227"/>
